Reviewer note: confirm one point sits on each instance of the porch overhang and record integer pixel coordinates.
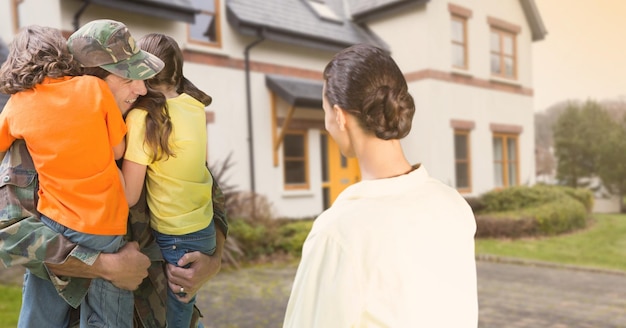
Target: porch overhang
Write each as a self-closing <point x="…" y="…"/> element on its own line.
<point x="296" y="92"/>
<point x="179" y="10"/>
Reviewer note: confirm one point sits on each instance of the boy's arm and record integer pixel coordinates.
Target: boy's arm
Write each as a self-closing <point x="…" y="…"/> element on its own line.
<point x="118" y="151"/>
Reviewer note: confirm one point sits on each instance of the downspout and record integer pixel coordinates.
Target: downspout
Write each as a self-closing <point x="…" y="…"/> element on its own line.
<point x="76" y="20"/>
<point x="16" y="14"/>
<point x="246" y="54"/>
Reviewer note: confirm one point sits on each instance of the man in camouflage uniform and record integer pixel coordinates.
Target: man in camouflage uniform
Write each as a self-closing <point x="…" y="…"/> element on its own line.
<point x="24" y="240"/>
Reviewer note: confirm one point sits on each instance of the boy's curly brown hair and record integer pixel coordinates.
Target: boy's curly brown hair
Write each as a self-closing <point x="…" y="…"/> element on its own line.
<point x="35" y="53"/>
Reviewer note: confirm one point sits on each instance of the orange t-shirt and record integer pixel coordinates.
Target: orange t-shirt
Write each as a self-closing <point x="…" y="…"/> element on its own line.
<point x="70" y="126"/>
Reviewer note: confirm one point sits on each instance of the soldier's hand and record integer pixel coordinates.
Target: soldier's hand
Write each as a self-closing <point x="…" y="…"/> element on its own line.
<point x="126" y="269"/>
<point x="201" y="269"/>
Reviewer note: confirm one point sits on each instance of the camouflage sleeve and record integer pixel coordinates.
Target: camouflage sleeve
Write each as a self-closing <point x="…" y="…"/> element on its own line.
<point x="219" y="208"/>
<point x="32" y="244"/>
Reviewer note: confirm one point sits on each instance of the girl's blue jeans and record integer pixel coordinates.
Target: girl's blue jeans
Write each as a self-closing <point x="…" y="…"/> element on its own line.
<point x="173" y="247"/>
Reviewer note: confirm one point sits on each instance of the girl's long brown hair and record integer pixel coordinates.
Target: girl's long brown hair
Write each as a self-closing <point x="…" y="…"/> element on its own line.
<point x="158" y="123"/>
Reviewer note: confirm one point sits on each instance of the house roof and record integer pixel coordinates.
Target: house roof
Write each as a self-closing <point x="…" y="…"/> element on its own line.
<point x="296" y="91"/>
<point x="537" y="28"/>
<point x="363" y="10"/>
<point x="296" y="22"/>
<point x="181" y="10"/>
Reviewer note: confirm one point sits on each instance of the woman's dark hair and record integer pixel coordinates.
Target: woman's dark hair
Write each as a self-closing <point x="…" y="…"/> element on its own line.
<point x="366" y="82"/>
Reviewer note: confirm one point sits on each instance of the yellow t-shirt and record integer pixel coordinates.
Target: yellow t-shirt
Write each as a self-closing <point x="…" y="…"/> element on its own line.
<point x="179" y="187"/>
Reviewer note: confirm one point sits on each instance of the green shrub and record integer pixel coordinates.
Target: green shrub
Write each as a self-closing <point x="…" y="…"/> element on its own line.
<point x="559" y="216"/>
<point x="585" y="196"/>
<point x="253" y="239"/>
<point x="522" y="197"/>
<point x="528" y="211"/>
<point x="291" y="236"/>
<point x="509" y="225"/>
<point x="262" y="239"/>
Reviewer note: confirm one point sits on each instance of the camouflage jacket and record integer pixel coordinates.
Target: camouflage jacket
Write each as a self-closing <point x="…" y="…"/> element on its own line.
<point x="24" y="240"/>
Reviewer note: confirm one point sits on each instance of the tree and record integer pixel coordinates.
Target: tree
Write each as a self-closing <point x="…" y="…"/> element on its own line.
<point x="545" y="163"/>
<point x="544" y="123"/>
<point x="612" y="164"/>
<point x="579" y="137"/>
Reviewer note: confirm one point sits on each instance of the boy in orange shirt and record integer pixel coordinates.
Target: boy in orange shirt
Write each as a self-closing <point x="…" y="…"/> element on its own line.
<point x="74" y="130"/>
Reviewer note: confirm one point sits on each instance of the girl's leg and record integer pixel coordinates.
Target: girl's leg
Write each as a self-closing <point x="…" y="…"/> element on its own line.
<point x="179" y="314"/>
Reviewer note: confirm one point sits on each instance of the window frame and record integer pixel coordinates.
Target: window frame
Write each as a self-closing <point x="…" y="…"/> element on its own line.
<point x="467" y="161"/>
<point x="461" y="14"/>
<point x="463" y="44"/>
<point x="218" y="30"/>
<point x="304" y="159"/>
<point x="505" y="162"/>
<point x="503" y="30"/>
<point x="502" y="56"/>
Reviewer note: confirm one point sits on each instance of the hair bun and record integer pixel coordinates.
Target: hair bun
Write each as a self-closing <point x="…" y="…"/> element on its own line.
<point x="389" y="112"/>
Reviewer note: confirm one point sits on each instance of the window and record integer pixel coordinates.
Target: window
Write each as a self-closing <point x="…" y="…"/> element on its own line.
<point x="503" y="54"/>
<point x="206" y="29"/>
<point x="505" y="160"/>
<point x="462" y="160"/>
<point x="295" y="160"/>
<point x="459" y="42"/>
<point x="503" y="48"/>
<point x="459" y="18"/>
<point x="323" y="11"/>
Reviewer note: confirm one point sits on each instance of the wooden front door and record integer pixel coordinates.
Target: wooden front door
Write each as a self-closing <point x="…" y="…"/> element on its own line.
<point x="338" y="172"/>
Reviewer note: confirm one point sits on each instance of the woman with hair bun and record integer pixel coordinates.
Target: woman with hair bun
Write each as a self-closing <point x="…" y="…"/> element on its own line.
<point x="397" y="248"/>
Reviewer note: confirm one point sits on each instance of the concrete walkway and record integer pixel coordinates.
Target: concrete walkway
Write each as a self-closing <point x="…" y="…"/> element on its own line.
<point x="510" y="295"/>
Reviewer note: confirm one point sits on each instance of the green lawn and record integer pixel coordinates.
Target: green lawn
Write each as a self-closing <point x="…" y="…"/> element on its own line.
<point x="10" y="302"/>
<point x="601" y="245"/>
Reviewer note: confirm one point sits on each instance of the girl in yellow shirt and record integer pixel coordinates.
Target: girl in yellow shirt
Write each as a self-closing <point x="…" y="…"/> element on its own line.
<point x="166" y="148"/>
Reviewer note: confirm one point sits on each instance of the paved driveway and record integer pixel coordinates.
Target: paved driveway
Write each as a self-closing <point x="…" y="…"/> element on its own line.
<point x="520" y="296"/>
<point x="510" y="295"/>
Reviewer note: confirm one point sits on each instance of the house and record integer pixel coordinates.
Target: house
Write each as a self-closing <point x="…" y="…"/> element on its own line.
<point x="467" y="62"/>
<point x="4" y="52"/>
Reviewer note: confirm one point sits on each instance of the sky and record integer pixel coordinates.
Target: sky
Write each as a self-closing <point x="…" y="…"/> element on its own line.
<point x="583" y="56"/>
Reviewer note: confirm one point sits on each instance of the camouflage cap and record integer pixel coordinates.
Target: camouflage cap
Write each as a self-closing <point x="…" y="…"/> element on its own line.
<point x="108" y="44"/>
